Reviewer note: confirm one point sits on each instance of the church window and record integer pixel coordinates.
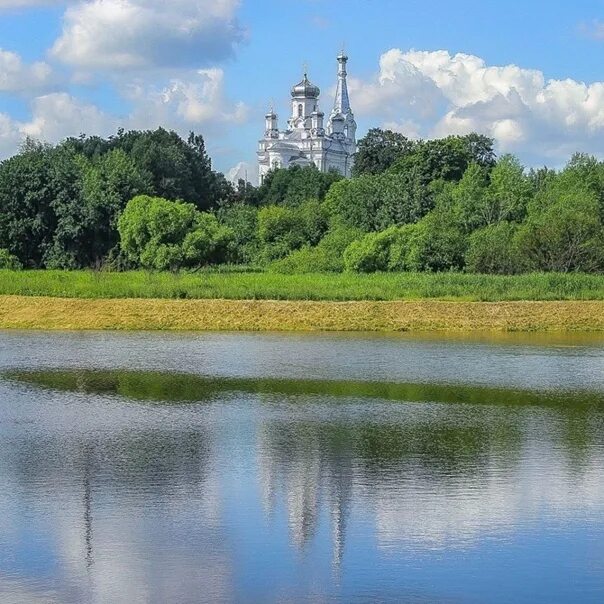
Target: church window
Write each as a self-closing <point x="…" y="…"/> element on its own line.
<point x="300" y="110"/>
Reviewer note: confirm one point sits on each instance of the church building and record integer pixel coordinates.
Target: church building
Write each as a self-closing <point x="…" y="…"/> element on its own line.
<point x="307" y="139"/>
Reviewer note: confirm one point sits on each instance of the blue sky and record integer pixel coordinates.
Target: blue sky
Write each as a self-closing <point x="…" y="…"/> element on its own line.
<point x="527" y="73"/>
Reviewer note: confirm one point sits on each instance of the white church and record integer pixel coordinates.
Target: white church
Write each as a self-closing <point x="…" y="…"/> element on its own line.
<point x="307" y="140"/>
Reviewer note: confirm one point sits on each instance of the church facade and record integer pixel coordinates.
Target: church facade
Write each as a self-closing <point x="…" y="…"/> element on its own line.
<point x="308" y="140"/>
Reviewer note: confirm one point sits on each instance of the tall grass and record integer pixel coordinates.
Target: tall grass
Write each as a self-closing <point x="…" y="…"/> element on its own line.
<point x="269" y="286"/>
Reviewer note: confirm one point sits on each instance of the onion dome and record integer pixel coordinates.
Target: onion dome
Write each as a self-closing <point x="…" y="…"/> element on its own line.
<point x="305" y="89"/>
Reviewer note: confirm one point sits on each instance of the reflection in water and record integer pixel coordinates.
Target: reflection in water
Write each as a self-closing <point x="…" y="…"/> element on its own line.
<point x="128" y="486"/>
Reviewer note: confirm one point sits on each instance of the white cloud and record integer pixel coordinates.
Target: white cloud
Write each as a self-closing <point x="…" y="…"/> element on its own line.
<point x="243" y="171"/>
<point x="436" y="93"/>
<point x="56" y="116"/>
<point x="198" y="99"/>
<point x="195" y="100"/>
<point x="6" y="4"/>
<point x="139" y="34"/>
<point x="16" y="76"/>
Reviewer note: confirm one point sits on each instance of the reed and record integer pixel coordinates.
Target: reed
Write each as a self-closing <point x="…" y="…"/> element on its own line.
<point x="237" y="284"/>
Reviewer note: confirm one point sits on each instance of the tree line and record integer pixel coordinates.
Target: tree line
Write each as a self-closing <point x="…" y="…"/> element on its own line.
<point x="151" y="200"/>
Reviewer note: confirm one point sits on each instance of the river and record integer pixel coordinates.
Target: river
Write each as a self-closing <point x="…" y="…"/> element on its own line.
<point x="150" y="467"/>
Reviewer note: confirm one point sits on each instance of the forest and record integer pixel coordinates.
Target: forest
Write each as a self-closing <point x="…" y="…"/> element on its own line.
<point x="151" y="200"/>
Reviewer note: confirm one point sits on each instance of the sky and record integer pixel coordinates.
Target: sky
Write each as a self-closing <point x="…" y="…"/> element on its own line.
<point x="528" y="74"/>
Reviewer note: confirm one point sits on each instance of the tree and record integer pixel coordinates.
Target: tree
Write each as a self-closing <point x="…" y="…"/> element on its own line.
<point x="175" y="168"/>
<point x="283" y="229"/>
<point x="447" y="158"/>
<point x="494" y="250"/>
<point x="34" y="186"/>
<point x="379" y="150"/>
<point x="242" y="219"/>
<point x="374" y="203"/>
<point x="438" y="244"/>
<point x="160" y="234"/>
<point x="295" y="185"/>
<point x="565" y="234"/>
<point x="371" y="253"/>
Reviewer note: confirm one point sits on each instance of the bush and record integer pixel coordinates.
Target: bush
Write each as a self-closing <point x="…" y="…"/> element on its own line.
<point x="438" y="244"/>
<point x="8" y="261"/>
<point x="494" y="249"/>
<point x="282" y="230"/>
<point x="327" y="256"/>
<point x="371" y="253"/>
<point x="565" y="234"/>
<point x="242" y="219"/>
<point x="168" y="235"/>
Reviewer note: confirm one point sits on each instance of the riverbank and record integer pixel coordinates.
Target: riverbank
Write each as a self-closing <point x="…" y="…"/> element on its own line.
<point x="30" y="312"/>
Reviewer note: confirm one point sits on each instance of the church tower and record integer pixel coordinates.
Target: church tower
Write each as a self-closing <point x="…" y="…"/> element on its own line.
<point x="307" y="141"/>
<point x="341" y="106"/>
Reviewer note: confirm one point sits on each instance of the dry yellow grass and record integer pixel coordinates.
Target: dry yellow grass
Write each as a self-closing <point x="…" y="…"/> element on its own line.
<point x="24" y="312"/>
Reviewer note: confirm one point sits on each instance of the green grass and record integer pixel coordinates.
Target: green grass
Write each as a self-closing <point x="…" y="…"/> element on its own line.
<point x="246" y="285"/>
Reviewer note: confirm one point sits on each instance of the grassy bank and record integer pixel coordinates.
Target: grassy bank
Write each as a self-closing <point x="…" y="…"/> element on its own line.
<point x="28" y="312"/>
<point x="268" y="286"/>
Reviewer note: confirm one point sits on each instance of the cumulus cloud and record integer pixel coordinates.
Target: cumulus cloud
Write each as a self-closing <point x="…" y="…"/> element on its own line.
<point x="6" y="4"/>
<point x="243" y="171"/>
<point x="435" y="93"/>
<point x="195" y="100"/>
<point x="198" y="99"/>
<point x="16" y="76"/>
<point x="139" y="34"/>
<point x="56" y="116"/>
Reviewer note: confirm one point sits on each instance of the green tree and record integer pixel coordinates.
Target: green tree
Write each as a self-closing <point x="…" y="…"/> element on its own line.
<point x="160" y="234"/>
<point x="379" y="150"/>
<point x="374" y="203"/>
<point x="494" y="250"/>
<point x="35" y="187"/>
<point x="447" y="158"/>
<point x="242" y="219"/>
<point x="371" y="253"/>
<point x="326" y="257"/>
<point x="295" y="185"/>
<point x="564" y="233"/>
<point x="283" y="229"/>
<point x="438" y="243"/>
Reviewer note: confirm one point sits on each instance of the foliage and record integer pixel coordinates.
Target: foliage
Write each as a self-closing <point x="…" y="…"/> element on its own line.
<point x="447" y="158"/>
<point x="295" y="185"/>
<point x="379" y="150"/>
<point x="60" y="205"/>
<point x="8" y="261"/>
<point x="494" y="249"/>
<point x="374" y="203"/>
<point x="164" y="235"/>
<point x="566" y="234"/>
<point x="327" y="256"/>
<point x="242" y="219"/>
<point x="283" y="229"/>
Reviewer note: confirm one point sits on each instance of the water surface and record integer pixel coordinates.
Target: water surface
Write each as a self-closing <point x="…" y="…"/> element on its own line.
<point x="271" y="468"/>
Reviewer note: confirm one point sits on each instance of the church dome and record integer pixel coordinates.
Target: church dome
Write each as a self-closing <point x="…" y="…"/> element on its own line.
<point x="306" y="89"/>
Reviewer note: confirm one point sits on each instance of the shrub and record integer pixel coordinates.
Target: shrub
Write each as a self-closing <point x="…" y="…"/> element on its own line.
<point x="282" y="230"/>
<point x="8" y="261"/>
<point x="371" y="253"/>
<point x="494" y="249"/>
<point x="564" y="235"/>
<point x="327" y="256"/>
<point x="160" y="234"/>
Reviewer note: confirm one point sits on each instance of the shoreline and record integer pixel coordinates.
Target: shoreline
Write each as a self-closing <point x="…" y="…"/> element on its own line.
<point x="130" y="314"/>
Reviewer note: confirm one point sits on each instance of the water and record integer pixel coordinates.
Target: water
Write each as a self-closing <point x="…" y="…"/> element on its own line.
<point x="286" y="468"/>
